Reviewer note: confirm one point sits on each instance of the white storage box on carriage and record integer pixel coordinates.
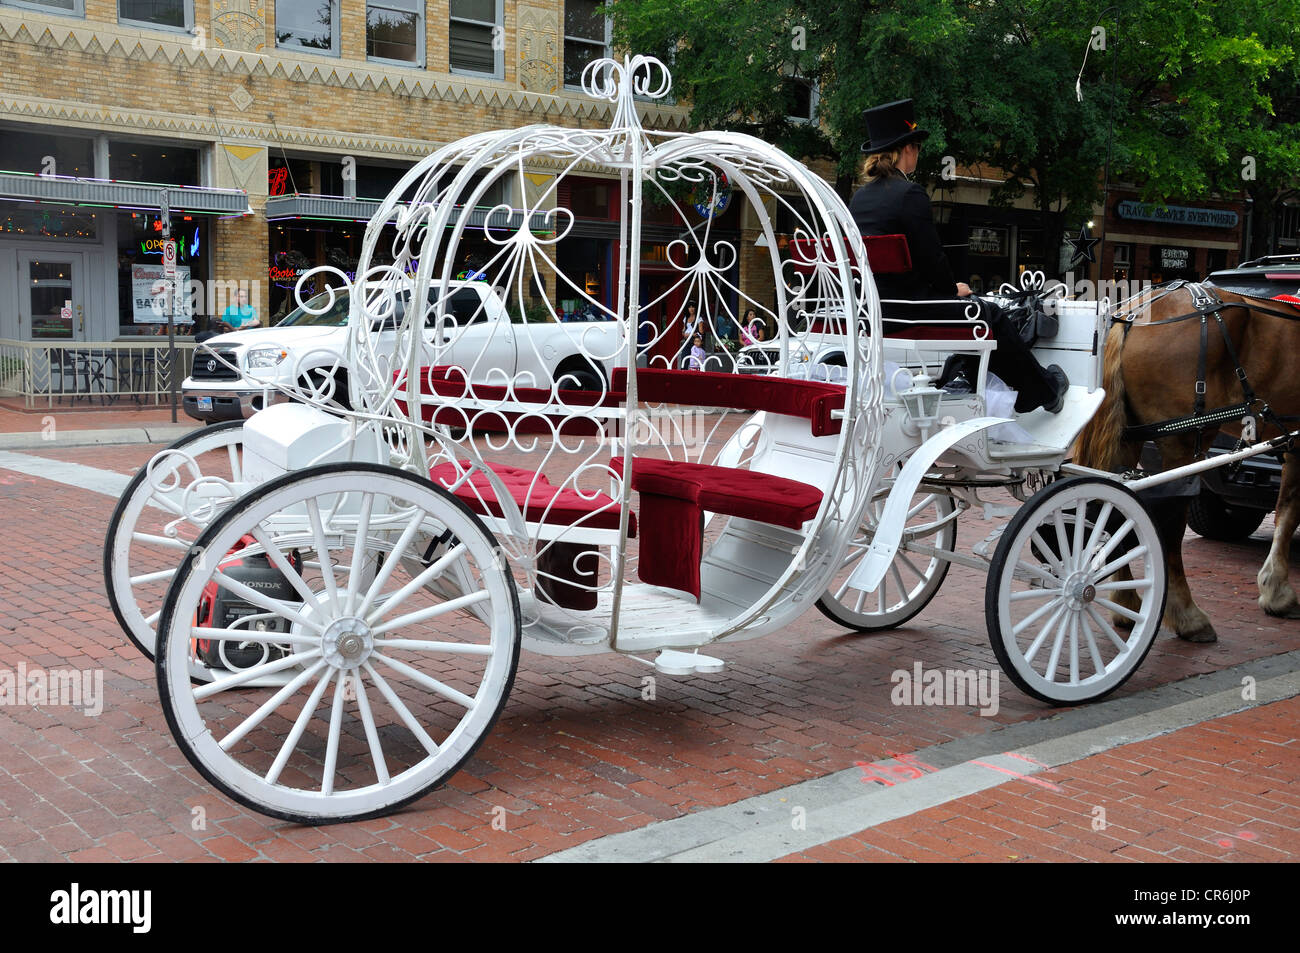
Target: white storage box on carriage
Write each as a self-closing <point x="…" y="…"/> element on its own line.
<point x="291" y="436"/>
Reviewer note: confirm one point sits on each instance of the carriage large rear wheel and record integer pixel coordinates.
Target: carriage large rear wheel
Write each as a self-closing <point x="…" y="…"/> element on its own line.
<point x="391" y="643"/>
<point x="1076" y="559"/>
<point x="156" y="520"/>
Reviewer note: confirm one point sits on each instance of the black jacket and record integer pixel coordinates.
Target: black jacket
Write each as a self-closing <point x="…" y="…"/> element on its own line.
<point x="895" y="206"/>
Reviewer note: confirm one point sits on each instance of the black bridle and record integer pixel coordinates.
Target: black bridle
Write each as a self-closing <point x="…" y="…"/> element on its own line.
<point x="1206" y="304"/>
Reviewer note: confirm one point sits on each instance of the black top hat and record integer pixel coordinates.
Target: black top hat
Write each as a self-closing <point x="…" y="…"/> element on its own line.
<point x="890" y="126"/>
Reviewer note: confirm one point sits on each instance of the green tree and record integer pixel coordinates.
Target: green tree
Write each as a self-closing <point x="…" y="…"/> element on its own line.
<point x="1190" y="88"/>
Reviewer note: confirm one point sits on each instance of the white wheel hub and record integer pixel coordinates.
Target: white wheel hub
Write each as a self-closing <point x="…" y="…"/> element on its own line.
<point x="347" y="642"/>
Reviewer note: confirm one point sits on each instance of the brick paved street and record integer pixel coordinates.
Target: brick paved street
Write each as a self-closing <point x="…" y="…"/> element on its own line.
<point x="578" y="754"/>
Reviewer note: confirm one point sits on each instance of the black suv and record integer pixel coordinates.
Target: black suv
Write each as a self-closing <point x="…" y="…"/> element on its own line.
<point x="1234" y="500"/>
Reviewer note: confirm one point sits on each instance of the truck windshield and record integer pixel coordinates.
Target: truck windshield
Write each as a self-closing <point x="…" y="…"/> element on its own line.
<point x="335" y="316"/>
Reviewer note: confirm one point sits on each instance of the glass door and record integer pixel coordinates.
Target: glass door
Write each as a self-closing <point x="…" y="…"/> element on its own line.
<point x="51" y="301"/>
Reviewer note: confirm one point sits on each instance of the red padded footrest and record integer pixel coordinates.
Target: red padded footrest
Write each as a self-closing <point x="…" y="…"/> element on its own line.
<point x="674" y="496"/>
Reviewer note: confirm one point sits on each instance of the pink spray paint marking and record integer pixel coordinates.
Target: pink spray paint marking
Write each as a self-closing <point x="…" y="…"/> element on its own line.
<point x="1016" y="774"/>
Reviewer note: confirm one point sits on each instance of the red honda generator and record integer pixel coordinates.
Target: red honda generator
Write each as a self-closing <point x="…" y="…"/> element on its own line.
<point x="222" y="609"/>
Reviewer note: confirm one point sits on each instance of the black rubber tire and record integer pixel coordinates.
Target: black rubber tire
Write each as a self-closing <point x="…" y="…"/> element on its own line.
<point x="587" y="376"/>
<point x="115" y="520"/>
<point x="1209" y="516"/>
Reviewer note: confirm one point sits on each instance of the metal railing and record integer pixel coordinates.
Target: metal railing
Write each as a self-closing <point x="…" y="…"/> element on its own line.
<point x="101" y="373"/>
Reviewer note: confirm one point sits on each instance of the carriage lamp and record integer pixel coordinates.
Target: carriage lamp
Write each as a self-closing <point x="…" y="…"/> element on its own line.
<point x="921" y="401"/>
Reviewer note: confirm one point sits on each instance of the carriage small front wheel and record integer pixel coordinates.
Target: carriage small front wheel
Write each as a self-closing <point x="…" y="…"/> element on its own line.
<point x="388" y="626"/>
<point x="1076" y="591"/>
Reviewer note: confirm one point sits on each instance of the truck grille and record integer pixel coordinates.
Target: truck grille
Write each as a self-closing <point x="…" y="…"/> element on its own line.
<point x="208" y="368"/>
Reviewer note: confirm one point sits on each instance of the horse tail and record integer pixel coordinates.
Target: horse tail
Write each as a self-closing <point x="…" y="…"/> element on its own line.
<point x="1099" y="443"/>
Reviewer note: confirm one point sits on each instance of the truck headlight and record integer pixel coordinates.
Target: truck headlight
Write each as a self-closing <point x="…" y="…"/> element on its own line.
<point x="266" y="358"/>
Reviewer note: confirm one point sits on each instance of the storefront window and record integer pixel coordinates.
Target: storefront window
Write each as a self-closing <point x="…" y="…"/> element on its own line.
<point x="24" y="220"/>
<point x="44" y="154"/>
<point x="140" y="272"/>
<point x="145" y="162"/>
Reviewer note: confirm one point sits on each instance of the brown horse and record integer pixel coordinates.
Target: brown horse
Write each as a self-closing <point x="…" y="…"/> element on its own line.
<point x="1150" y="376"/>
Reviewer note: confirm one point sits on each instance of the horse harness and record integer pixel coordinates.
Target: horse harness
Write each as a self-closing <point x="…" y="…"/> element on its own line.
<point x="1207" y="304"/>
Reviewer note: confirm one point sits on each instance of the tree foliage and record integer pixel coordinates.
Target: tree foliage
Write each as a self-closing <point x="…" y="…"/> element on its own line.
<point x="1179" y="92"/>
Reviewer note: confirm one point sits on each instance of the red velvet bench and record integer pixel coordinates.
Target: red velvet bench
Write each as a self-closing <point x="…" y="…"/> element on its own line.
<point x="676" y="494"/>
<point x="544" y="504"/>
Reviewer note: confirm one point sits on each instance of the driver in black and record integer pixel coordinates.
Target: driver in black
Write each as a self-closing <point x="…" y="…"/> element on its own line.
<point x="890" y="203"/>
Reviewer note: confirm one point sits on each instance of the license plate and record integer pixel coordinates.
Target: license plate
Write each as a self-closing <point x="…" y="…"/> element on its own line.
<point x="205" y="403"/>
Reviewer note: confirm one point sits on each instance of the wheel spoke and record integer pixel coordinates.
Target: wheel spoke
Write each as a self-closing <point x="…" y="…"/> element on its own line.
<point x="1098" y="528"/>
<point x="386" y="570"/>
<point x="1074" y="648"/>
<point x="1111" y="567"/>
<point x="1035" y="615"/>
<point x="322" y="550"/>
<point x="359" y="552"/>
<point x="403" y="712"/>
<point x="165" y="542"/>
<point x="1042" y="635"/>
<point x="1033" y="594"/>
<point x="1055" y="658"/>
<point x="153" y="576"/>
<point x="1104" y="626"/>
<point x="219" y="685"/>
<point x="1098" y="666"/>
<point x="332" y="742"/>
<point x="912" y="566"/>
<point x="1137" y="584"/>
<point x="898" y="579"/>
<point x="1045" y="553"/>
<point x="428" y="575"/>
<point x="372" y="735"/>
<point x="424" y="615"/>
<point x="299" y="726"/>
<point x="1058" y="520"/>
<point x="1080" y="521"/>
<point x="270" y="705"/>
<point x="420" y="645"/>
<point x="1120" y="610"/>
<point x="254" y="636"/>
<point x="1111" y="543"/>
<point x="278" y="559"/>
<point x="428" y="681"/>
<point x="236" y="469"/>
<point x="1038" y="573"/>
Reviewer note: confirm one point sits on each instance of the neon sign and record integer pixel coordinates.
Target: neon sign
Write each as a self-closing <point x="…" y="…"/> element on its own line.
<point x="276" y="179"/>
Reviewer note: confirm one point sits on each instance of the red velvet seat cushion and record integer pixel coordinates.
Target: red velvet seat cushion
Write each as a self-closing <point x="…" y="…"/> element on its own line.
<point x="542" y="503"/>
<point x="811" y="400"/>
<point x="886" y="254"/>
<point x="734" y="492"/>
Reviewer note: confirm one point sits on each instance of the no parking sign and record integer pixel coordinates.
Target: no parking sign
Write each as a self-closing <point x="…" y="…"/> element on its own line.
<point x="169" y="258"/>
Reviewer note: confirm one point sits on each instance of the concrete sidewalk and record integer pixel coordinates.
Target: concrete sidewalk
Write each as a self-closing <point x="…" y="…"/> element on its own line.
<point x="53" y="427"/>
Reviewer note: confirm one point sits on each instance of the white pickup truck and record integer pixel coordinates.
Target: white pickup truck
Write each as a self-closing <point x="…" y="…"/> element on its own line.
<point x="237" y="374"/>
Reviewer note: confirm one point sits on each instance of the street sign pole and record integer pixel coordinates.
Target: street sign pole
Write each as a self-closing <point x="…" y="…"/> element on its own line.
<point x="169" y="281"/>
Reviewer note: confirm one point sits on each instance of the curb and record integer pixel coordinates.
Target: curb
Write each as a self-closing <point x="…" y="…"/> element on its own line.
<point x="164" y="433"/>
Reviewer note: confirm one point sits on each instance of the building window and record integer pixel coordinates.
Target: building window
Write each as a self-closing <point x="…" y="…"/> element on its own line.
<point x="586" y="38"/>
<point x="168" y="14"/>
<point x="130" y="161"/>
<point x="311" y="25"/>
<point x="802" y="99"/>
<point x="475" y="39"/>
<point x="72" y="8"/>
<point x="395" y="31"/>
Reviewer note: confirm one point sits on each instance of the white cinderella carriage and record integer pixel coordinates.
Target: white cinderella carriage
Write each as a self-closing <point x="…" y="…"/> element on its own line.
<point x="337" y="591"/>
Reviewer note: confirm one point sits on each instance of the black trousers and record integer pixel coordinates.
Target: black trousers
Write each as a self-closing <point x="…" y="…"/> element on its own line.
<point x="1015" y="363"/>
<point x="1012" y="361"/>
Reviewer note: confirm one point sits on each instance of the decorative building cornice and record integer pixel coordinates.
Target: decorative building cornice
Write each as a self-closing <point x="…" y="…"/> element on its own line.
<point x="182" y="52"/>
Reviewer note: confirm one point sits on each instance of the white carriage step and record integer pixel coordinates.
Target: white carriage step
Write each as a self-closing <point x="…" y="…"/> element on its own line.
<point x="672" y="662"/>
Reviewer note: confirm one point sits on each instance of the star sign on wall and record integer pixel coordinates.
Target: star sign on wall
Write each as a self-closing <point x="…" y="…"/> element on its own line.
<point x="1082" y="246"/>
